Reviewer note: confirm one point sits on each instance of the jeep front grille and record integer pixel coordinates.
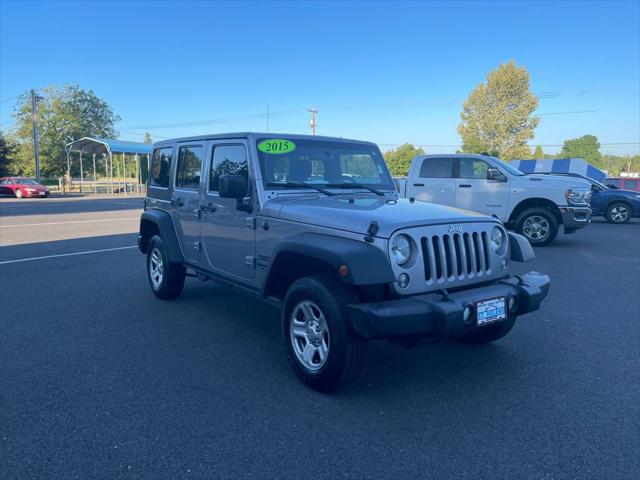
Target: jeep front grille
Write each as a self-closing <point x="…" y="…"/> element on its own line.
<point x="455" y="256"/>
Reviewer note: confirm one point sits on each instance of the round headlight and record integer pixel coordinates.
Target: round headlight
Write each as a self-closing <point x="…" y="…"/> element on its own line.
<point x="401" y="249"/>
<point x="497" y="239"/>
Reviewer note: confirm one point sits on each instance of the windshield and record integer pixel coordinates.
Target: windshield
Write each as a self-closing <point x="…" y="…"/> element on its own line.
<point x="509" y="168"/>
<point x="25" y="181"/>
<point x="287" y="163"/>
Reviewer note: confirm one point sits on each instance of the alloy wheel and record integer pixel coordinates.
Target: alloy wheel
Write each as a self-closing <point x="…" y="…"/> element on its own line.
<point x="156" y="268"/>
<point x="536" y="227"/>
<point x="309" y="335"/>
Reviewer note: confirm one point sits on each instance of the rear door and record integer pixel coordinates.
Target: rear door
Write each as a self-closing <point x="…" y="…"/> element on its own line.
<point x="434" y="181"/>
<point x="228" y="234"/>
<point x="475" y="192"/>
<point x="185" y="199"/>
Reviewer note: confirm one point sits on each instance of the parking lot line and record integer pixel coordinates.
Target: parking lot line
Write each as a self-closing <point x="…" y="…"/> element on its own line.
<point x="65" y="223"/>
<point x="19" y="260"/>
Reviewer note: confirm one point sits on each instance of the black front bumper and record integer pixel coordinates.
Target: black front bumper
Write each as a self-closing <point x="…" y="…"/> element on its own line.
<point x="434" y="315"/>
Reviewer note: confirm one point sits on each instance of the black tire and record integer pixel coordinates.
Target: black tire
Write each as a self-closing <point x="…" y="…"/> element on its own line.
<point x="346" y="352"/>
<point x="529" y="218"/>
<point x="490" y="333"/>
<point x="170" y="283"/>
<point x="618" y="212"/>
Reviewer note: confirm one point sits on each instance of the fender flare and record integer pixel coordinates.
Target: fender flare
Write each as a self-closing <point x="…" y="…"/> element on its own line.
<point x="366" y="264"/>
<point x="162" y="220"/>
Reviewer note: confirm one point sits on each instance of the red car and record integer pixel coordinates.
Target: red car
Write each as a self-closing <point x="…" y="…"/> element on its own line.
<point x="22" y="187"/>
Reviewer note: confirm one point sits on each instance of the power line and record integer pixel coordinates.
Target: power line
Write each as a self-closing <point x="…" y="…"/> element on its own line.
<point x="608" y="144"/>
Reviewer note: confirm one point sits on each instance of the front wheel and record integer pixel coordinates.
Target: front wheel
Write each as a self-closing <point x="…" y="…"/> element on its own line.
<point x="18" y="193"/>
<point x="490" y="333"/>
<point x="538" y="225"/>
<point x="618" y="212"/>
<point x="166" y="278"/>
<point x="322" y="349"/>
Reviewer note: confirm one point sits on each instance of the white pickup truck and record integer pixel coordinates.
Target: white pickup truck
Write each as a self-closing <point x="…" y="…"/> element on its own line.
<point x="533" y="205"/>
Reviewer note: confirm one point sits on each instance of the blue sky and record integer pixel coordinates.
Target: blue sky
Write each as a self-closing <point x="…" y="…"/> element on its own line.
<point x="386" y="72"/>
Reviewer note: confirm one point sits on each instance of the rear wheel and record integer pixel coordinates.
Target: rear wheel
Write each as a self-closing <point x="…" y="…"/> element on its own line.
<point x="490" y="333"/>
<point x="322" y="349"/>
<point x="18" y="193"/>
<point x="618" y="212"/>
<point x="166" y="278"/>
<point x="538" y="225"/>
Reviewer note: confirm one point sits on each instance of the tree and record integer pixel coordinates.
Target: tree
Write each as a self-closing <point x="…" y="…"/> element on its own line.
<point x="147" y="138"/>
<point x="7" y="149"/>
<point x="399" y="160"/>
<point x="538" y="154"/>
<point x="586" y="147"/>
<point x="498" y="115"/>
<point x="66" y="113"/>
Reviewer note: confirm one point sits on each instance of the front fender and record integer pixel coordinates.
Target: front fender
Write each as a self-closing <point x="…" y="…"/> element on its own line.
<point x="366" y="264"/>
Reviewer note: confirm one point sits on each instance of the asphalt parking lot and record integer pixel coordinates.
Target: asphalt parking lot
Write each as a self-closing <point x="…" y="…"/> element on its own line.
<point x="99" y="379"/>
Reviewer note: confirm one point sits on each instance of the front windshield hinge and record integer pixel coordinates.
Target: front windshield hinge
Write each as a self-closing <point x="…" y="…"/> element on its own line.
<point x="372" y="231"/>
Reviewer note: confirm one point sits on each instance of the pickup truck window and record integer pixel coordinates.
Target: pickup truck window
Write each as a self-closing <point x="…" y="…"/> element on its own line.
<point x="437" y="168"/>
<point x="325" y="162"/>
<point x="227" y="160"/>
<point x="160" y="167"/>
<point x="473" y="168"/>
<point x="189" y="167"/>
<point x="630" y="184"/>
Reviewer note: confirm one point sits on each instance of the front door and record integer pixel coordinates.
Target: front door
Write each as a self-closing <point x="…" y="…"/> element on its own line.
<point x="185" y="200"/>
<point x="476" y="193"/>
<point x="228" y="234"/>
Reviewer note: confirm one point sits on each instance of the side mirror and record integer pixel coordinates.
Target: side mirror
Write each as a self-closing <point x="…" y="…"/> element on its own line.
<point x="233" y="186"/>
<point x="495" y="174"/>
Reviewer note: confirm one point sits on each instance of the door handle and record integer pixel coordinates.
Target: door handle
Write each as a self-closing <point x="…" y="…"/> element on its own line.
<point x="176" y="201"/>
<point x="418" y="184"/>
<point x="208" y="208"/>
<point x="465" y="185"/>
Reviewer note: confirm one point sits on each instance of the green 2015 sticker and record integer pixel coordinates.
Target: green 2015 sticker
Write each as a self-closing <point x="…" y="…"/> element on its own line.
<point x="276" y="145"/>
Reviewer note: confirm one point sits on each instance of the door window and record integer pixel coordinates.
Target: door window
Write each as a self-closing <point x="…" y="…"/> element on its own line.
<point x="189" y="168"/>
<point x="473" y="168"/>
<point x="227" y="160"/>
<point x="437" y="168"/>
<point x="160" y="167"/>
<point x="630" y="184"/>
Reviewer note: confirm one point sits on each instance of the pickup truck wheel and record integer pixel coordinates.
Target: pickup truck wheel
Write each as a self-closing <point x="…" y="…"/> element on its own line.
<point x="490" y="333"/>
<point x="538" y="225"/>
<point x="618" y="212"/>
<point x="321" y="348"/>
<point x="166" y="278"/>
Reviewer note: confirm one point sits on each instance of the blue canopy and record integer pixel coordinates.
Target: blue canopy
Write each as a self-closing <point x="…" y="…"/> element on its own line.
<point x="107" y="146"/>
<point x="560" y="165"/>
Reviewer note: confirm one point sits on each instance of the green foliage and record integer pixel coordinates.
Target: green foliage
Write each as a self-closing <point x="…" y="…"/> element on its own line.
<point x="64" y="114"/>
<point x="538" y="154"/>
<point x="7" y="150"/>
<point x="497" y="118"/>
<point x="615" y="164"/>
<point x="586" y="147"/>
<point x="147" y="138"/>
<point x="399" y="159"/>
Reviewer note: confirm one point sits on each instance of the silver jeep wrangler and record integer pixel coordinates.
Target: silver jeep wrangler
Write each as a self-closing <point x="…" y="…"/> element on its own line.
<point x="315" y="225"/>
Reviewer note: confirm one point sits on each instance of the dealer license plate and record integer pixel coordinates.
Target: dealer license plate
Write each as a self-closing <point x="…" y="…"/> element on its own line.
<point x="489" y="311"/>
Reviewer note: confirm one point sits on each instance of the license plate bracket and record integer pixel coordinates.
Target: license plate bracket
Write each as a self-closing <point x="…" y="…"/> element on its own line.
<point x="491" y="310"/>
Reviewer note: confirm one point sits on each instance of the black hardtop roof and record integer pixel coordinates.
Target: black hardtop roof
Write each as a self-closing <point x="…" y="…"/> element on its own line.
<point x="250" y="135"/>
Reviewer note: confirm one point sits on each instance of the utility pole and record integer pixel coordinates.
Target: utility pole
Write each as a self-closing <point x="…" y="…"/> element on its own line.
<point x="313" y="123"/>
<point x="36" y="139"/>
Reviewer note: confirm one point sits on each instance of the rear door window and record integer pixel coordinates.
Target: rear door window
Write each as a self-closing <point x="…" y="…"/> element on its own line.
<point x="437" y="168"/>
<point x="189" y="167"/>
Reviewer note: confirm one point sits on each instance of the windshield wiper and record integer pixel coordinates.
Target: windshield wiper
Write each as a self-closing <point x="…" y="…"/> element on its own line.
<point x="300" y="185"/>
<point x="355" y="185"/>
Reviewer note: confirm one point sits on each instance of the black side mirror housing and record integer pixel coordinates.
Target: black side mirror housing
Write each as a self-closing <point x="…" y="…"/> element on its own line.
<point x="233" y="186"/>
<point x="495" y="174"/>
